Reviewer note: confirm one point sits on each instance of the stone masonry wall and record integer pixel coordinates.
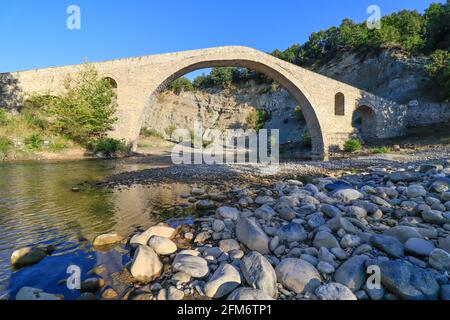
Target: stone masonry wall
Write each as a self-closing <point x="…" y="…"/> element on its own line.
<point x="420" y="114"/>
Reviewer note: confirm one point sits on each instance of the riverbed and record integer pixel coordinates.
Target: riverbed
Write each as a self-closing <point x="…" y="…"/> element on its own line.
<point x="39" y="208"/>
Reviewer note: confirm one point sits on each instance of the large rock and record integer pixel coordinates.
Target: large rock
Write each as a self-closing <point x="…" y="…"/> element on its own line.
<point x="387" y="244"/>
<point x="415" y="191"/>
<point x="228" y="213"/>
<point x="325" y="239"/>
<point x="265" y="212"/>
<point x="146" y="265"/>
<point x="330" y="211"/>
<point x="404" y="176"/>
<point x="408" y="282"/>
<point x="196" y="267"/>
<point x="251" y="235"/>
<point x="229" y="245"/>
<point x="352" y="273"/>
<point x="434" y="217"/>
<point x="338" y="185"/>
<point x="224" y="280"/>
<point x="403" y="233"/>
<point x="31" y="294"/>
<point x="107" y="239"/>
<point x="298" y="275"/>
<point x="335" y="291"/>
<point x="347" y="195"/>
<point x="440" y="260"/>
<point x="162" y="246"/>
<point x="419" y="247"/>
<point x="445" y="292"/>
<point x="444" y="243"/>
<point x="249" y="294"/>
<point x="440" y="185"/>
<point x="160" y="231"/>
<point x="259" y="273"/>
<point x="292" y="232"/>
<point x="27" y="256"/>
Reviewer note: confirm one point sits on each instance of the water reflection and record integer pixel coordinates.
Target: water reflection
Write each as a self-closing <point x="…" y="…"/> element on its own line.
<point x="38" y="208"/>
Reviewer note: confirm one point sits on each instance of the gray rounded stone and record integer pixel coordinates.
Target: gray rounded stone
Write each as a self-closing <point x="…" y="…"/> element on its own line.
<point x="419" y="247"/>
<point x="259" y="273"/>
<point x="352" y="273"/>
<point x="251" y="235"/>
<point x="325" y="239"/>
<point x="249" y="294"/>
<point x="334" y="291"/>
<point x="196" y="267"/>
<point x="389" y="245"/>
<point x="298" y="275"/>
<point x="224" y="281"/>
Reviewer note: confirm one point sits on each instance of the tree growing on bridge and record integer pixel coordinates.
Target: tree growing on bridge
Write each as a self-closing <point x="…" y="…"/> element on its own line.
<point x="85" y="111"/>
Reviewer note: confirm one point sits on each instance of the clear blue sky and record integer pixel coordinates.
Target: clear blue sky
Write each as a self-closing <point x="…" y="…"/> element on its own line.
<point x="33" y="33"/>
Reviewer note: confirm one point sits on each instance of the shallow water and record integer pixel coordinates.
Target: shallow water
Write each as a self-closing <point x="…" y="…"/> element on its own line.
<point x="39" y="208"/>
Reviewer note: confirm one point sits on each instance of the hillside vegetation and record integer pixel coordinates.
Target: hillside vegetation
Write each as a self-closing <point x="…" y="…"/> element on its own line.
<point x="415" y="34"/>
<point x="79" y="117"/>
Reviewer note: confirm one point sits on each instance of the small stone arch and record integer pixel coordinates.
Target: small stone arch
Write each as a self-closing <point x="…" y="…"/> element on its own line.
<point x="339" y="104"/>
<point x="364" y="121"/>
<point x="112" y="82"/>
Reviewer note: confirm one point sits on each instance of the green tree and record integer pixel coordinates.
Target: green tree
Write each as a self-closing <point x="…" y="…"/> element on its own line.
<point x="437" y="27"/>
<point x="85" y="111"/>
<point x="222" y="77"/>
<point x="180" y="84"/>
<point x="352" y="35"/>
<point x="439" y="70"/>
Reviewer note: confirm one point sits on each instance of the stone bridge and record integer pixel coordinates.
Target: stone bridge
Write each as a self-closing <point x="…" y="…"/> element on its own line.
<point x="327" y="105"/>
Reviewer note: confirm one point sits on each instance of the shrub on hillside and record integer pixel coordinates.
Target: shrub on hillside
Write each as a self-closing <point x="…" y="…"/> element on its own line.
<point x="109" y="147"/>
<point x="306" y="140"/>
<point x="34" y="142"/>
<point x="352" y="146"/>
<point x="148" y="133"/>
<point x="439" y="70"/>
<point x="5" y="146"/>
<point x="179" y="85"/>
<point x="3" y="117"/>
<point x="257" y="119"/>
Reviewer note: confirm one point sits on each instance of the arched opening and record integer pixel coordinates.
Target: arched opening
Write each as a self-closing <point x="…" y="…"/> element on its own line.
<point x="112" y="82"/>
<point x="364" y="122"/>
<point x="339" y="104"/>
<point x="308" y="112"/>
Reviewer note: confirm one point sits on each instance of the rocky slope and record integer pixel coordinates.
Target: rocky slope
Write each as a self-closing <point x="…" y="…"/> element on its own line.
<point x="389" y="74"/>
<point x="225" y="109"/>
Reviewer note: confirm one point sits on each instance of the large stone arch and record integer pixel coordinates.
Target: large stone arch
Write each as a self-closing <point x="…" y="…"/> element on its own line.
<point x="284" y="79"/>
<point x="140" y="79"/>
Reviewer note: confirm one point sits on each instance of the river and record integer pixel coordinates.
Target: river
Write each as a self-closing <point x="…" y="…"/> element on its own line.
<point x="39" y="208"/>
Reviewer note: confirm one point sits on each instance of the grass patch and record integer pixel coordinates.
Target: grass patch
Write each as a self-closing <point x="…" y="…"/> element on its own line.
<point x="380" y="150"/>
<point x="34" y="142"/>
<point x="306" y="140"/>
<point x="257" y="119"/>
<point x="109" y="147"/>
<point x="151" y="133"/>
<point x="5" y="146"/>
<point x="352" y="146"/>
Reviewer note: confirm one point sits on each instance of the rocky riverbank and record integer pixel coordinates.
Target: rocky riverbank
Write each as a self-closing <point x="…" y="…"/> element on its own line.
<point x="286" y="239"/>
